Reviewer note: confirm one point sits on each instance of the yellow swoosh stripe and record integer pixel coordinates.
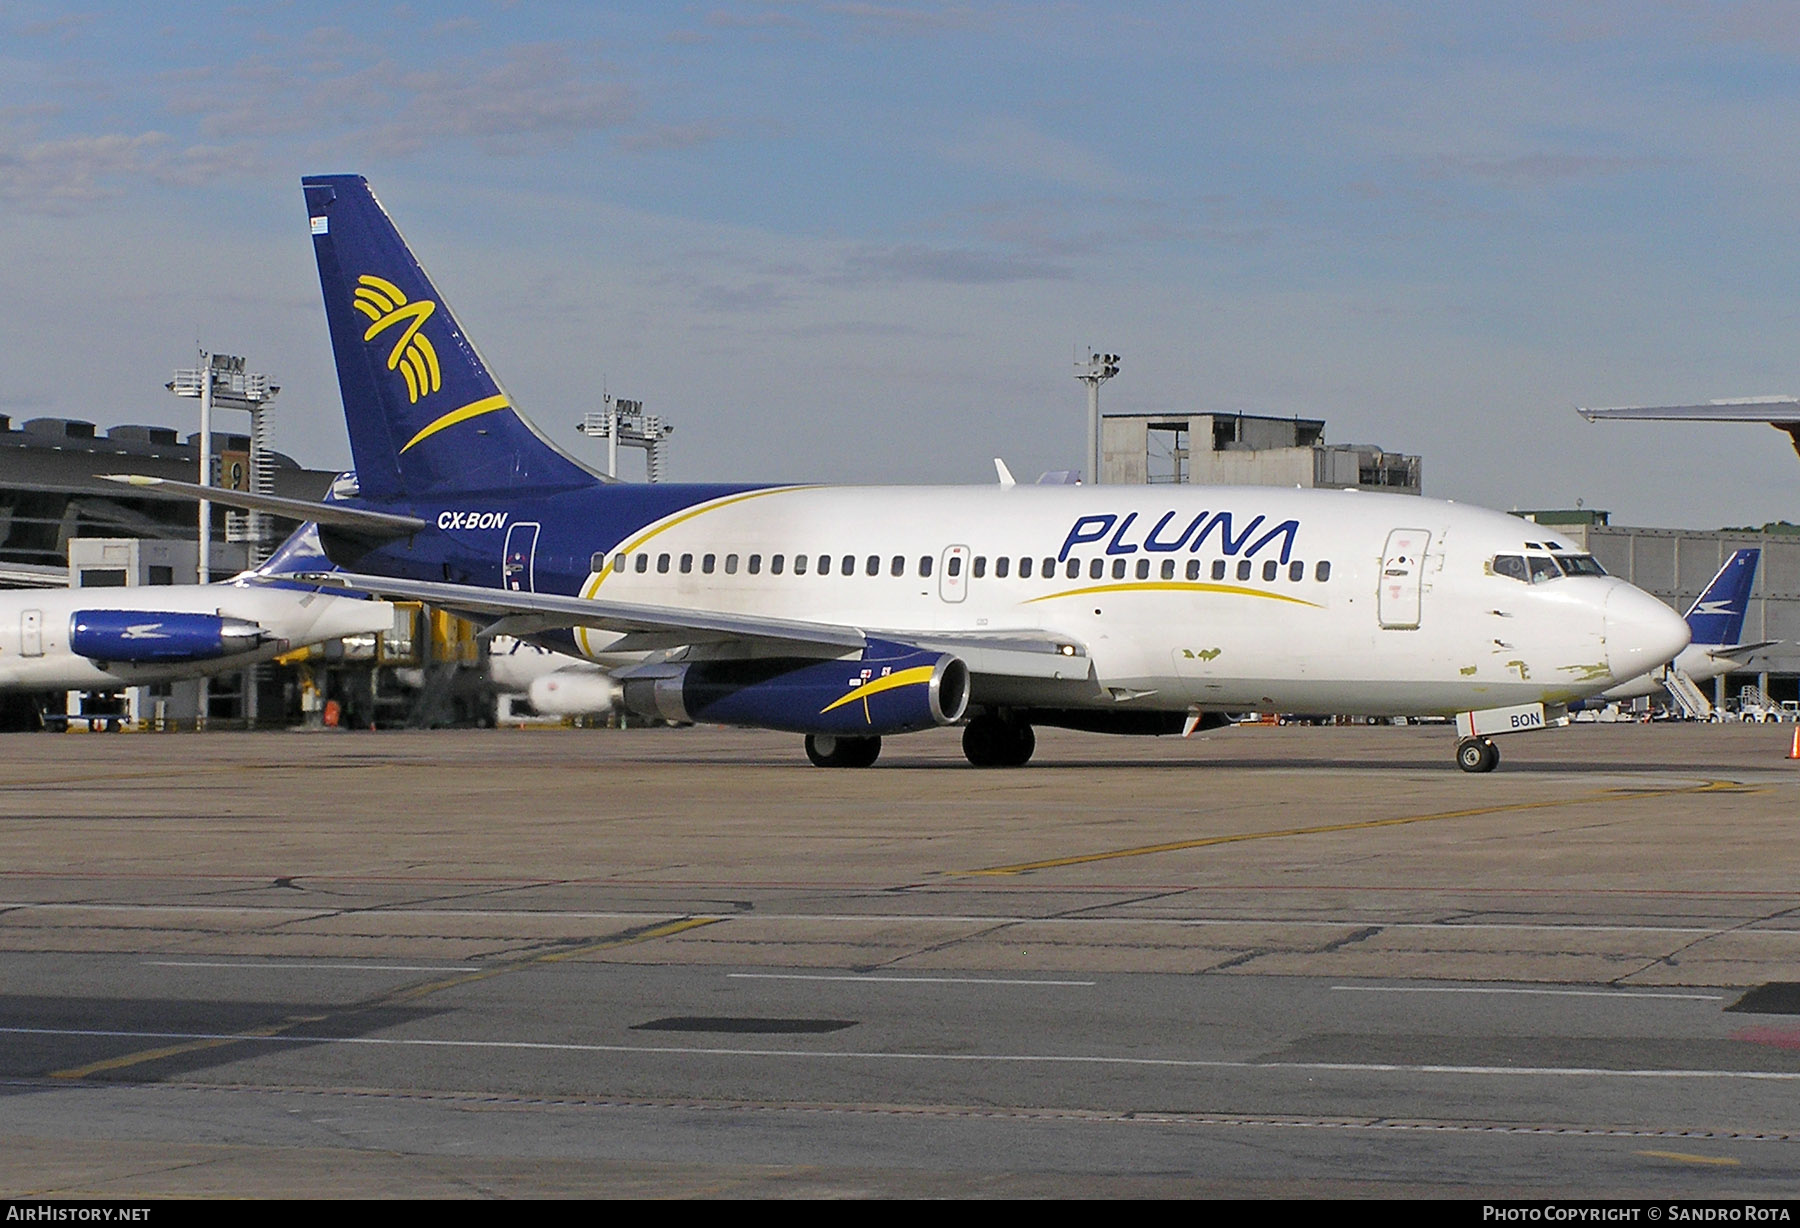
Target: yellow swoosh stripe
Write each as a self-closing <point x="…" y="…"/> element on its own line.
<point x="1174" y="586"/>
<point x="474" y="409"/>
<point x="593" y="585"/>
<point x="874" y="686"/>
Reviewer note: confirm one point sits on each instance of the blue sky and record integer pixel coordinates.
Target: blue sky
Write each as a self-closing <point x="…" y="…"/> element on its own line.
<point x="863" y="241"/>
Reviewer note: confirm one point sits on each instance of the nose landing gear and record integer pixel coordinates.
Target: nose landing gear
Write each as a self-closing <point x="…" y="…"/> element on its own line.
<point x="1477" y="755"/>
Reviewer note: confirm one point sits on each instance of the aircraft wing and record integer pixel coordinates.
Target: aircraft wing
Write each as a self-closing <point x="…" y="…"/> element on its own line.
<point x="1750" y="409"/>
<point x="337" y="515"/>
<point x="1018" y="654"/>
<point x="1782" y="413"/>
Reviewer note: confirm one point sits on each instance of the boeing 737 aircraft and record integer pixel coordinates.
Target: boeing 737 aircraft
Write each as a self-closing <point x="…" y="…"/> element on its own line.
<point x="1715" y="622"/>
<point x="850" y="614"/>
<point x="101" y="639"/>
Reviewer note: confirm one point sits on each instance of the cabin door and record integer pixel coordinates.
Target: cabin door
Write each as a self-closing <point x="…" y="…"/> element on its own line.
<point x="1402" y="569"/>
<point x="518" y="569"/>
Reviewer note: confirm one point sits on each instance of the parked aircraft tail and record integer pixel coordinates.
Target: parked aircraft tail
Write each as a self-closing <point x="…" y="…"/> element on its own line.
<point x="1717" y="617"/>
<point x="426" y="418"/>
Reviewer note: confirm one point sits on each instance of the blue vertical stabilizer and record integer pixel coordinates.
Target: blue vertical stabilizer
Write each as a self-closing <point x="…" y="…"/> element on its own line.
<point x="1718" y="616"/>
<point x="425" y="416"/>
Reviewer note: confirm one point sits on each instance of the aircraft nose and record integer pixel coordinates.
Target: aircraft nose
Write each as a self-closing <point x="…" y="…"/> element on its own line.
<point x="1641" y="632"/>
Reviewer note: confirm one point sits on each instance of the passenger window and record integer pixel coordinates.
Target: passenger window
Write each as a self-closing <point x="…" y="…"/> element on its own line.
<point x="618" y="562"/>
<point x="1270" y="568"/>
<point x="980" y="566"/>
<point x="954" y="568"/>
<point x="1118" y="569"/>
<point x="662" y="564"/>
<point x="643" y="563"/>
<point x="1322" y="572"/>
<point x="925" y="566"/>
<point x="1243" y="569"/>
<point x="1073" y="570"/>
<point x="824" y="564"/>
<point x="1193" y="569"/>
<point x="873" y="565"/>
<point x="598" y="562"/>
<point x="687" y="564"/>
<point x="799" y="564"/>
<point x="1296" y="571"/>
<point x="898" y="566"/>
<point x="1218" y="569"/>
<point x="1168" y="569"/>
<point x="1002" y="566"/>
<point x="1096" y="569"/>
<point x="755" y="565"/>
<point x="731" y="561"/>
<point x="849" y="565"/>
<point x="708" y="563"/>
<point x="1025" y="568"/>
<point x="778" y="564"/>
<point x="1048" y="570"/>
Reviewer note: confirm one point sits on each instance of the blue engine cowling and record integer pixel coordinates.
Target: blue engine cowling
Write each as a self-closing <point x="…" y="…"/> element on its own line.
<point x="159" y="637"/>
<point x="892" y="688"/>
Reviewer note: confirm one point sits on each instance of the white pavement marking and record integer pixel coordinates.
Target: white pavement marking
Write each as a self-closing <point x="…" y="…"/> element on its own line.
<point x="896" y="980"/>
<point x="1614" y="994"/>
<point x="1047" y="1059"/>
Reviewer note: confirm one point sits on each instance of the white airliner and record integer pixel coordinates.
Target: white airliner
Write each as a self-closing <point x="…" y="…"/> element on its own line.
<point x="848" y="614"/>
<point x="101" y="639"/>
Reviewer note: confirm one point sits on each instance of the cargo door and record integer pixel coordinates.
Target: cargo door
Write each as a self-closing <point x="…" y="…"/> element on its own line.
<point x="518" y="570"/>
<point x="1402" y="569"/>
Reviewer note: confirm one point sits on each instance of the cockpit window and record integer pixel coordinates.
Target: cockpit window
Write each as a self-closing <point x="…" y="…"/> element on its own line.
<point x="1542" y="568"/>
<point x="1580" y="565"/>
<point x="1511" y="566"/>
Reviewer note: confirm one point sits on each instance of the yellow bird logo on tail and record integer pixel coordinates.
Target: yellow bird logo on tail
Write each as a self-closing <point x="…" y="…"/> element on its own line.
<point x="413" y="355"/>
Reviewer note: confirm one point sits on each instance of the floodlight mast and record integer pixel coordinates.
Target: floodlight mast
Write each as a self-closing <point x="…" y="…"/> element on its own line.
<point x="220" y="381"/>
<point x="625" y="422"/>
<point x="1095" y="371"/>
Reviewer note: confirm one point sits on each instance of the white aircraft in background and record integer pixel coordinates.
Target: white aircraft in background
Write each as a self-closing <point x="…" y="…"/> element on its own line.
<point x="101" y="639"/>
<point x="850" y="614"/>
<point x="1716" y="623"/>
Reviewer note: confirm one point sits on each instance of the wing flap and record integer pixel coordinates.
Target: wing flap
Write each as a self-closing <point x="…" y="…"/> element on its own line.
<point x="338" y="515"/>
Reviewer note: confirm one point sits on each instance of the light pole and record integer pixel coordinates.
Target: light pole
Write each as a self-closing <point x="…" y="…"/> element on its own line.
<point x="1095" y="371"/>
<point x="221" y="382"/>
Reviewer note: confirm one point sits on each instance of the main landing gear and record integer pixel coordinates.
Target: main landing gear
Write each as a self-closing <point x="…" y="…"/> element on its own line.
<point x="994" y="741"/>
<point x="1477" y="755"/>
<point x="829" y="750"/>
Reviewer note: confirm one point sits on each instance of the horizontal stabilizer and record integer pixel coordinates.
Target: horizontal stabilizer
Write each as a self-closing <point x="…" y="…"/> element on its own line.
<point x="337" y="515"/>
<point x="1731" y="652"/>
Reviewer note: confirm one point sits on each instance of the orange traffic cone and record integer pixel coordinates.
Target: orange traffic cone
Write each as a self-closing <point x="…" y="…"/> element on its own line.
<point x="1794" y="752"/>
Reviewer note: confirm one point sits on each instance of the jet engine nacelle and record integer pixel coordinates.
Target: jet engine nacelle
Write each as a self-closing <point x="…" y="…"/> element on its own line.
<point x="892" y="688"/>
<point x="570" y="692"/>
<point x="156" y="637"/>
